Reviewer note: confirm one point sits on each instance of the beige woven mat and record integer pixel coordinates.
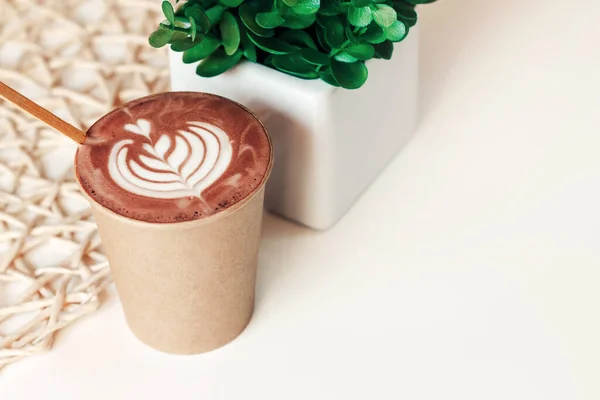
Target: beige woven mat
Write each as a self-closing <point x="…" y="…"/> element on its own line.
<point x="78" y="58"/>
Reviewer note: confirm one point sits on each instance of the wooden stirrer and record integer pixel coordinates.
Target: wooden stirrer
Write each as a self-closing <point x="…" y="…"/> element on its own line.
<point x="41" y="113"/>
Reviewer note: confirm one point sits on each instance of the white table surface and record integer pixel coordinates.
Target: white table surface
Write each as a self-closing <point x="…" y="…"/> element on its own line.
<point x="469" y="270"/>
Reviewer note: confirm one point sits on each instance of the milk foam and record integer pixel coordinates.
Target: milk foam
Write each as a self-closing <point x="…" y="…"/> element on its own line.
<point x="176" y="165"/>
<point x="174" y="157"/>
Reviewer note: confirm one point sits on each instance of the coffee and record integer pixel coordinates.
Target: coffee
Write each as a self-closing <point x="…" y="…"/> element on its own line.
<point x="173" y="157"/>
<point x="185" y="287"/>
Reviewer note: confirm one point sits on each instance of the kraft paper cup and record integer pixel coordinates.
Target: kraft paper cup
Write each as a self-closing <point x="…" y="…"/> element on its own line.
<point x="185" y="287"/>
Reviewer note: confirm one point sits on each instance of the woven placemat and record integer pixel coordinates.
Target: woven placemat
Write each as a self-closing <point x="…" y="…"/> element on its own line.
<point x="79" y="58"/>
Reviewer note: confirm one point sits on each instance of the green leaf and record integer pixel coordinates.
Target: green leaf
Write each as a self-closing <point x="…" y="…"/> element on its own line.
<point x="230" y="33"/>
<point x="231" y="3"/>
<point x="185" y="44"/>
<point x="298" y="38"/>
<point x="160" y="37"/>
<point x="181" y="10"/>
<point x="294" y="64"/>
<point x="313" y="56"/>
<point x="204" y="4"/>
<point x="360" y="16"/>
<point x="269" y="20"/>
<point x="294" y="21"/>
<point x="193" y="30"/>
<point x="360" y="51"/>
<point x="215" y="14"/>
<point x="248" y="15"/>
<point x="330" y="7"/>
<point x="268" y="61"/>
<point x="384" y="15"/>
<point x="361" y="3"/>
<point x="202" y="50"/>
<point x="384" y="50"/>
<point x="167" y="9"/>
<point x="248" y="46"/>
<point x="327" y="77"/>
<point x="179" y="36"/>
<point x="349" y="76"/>
<point x="324" y="20"/>
<point x="397" y="31"/>
<point x="217" y="63"/>
<point x="374" y="34"/>
<point x="306" y="7"/>
<point x="351" y="36"/>
<point x="272" y="45"/>
<point x="166" y="24"/>
<point x="199" y="17"/>
<point x="320" y="33"/>
<point x="345" y="57"/>
<point x="334" y="35"/>
<point x="180" y="22"/>
<point x="406" y="13"/>
<point x="250" y="53"/>
<point x="291" y="3"/>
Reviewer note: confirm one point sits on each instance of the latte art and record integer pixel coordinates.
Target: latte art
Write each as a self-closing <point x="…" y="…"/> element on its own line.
<point x="173" y="168"/>
<point x="174" y="157"/>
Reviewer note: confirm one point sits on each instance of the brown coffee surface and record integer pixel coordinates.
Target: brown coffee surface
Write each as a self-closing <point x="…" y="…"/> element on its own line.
<point x="174" y="157"/>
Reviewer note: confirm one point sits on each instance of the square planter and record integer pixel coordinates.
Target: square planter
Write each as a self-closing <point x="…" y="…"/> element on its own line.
<point x="329" y="143"/>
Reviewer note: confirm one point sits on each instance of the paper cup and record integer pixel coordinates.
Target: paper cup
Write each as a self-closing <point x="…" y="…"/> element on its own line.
<point x="185" y="287"/>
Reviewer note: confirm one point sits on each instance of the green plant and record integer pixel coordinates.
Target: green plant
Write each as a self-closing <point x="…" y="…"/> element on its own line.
<point x="310" y="39"/>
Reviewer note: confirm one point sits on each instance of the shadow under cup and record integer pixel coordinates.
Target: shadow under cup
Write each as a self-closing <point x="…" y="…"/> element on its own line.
<point x="185" y="287"/>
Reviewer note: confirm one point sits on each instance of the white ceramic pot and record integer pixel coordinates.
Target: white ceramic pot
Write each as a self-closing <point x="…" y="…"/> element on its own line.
<point x="329" y="143"/>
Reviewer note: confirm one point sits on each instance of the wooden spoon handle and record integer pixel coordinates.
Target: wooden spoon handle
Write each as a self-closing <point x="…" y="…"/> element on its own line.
<point x="41" y="113"/>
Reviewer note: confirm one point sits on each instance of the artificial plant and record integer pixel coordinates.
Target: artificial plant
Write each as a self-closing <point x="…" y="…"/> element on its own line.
<point x="310" y="39"/>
